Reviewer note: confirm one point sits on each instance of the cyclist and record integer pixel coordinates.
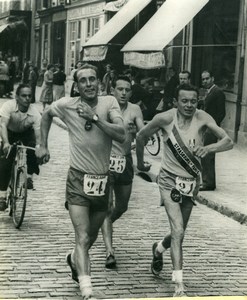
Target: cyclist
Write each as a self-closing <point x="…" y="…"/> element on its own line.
<point x="20" y="121"/>
<point x="121" y="167"/>
<point x="180" y="172"/>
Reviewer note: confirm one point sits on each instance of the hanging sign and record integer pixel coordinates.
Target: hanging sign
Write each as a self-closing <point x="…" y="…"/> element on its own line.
<point x="144" y="60"/>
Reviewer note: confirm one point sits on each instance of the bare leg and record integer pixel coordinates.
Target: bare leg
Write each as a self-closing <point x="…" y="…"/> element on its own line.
<point x="122" y="196"/>
<point x="176" y="215"/>
<point x="186" y="212"/>
<point x="86" y="225"/>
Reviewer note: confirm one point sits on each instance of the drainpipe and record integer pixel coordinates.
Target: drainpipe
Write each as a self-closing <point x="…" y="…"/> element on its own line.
<point x="32" y="32"/>
<point x="242" y="107"/>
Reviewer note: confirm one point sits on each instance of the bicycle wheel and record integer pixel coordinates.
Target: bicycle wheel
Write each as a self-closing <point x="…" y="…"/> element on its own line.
<point x="20" y="196"/>
<point x="153" y="144"/>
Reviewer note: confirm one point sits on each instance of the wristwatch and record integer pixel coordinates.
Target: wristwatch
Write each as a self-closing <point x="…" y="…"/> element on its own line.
<point x="95" y="118"/>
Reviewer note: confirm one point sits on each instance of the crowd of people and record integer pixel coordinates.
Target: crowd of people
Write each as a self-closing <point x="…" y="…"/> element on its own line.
<point x="103" y="117"/>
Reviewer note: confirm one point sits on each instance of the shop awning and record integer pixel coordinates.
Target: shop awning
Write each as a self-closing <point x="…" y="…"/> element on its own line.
<point x="159" y="31"/>
<point x="3" y="27"/>
<point x="14" y="26"/>
<point x="115" y="5"/>
<point x="96" y="47"/>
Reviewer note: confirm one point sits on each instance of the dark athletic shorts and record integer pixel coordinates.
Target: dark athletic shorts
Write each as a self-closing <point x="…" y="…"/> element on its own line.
<point x="76" y="196"/>
<point x="126" y="177"/>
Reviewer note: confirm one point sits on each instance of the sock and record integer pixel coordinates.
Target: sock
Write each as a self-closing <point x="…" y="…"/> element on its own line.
<point x="3" y="194"/>
<point x="177" y="276"/>
<point x="73" y="257"/>
<point x="85" y="285"/>
<point x="160" y="248"/>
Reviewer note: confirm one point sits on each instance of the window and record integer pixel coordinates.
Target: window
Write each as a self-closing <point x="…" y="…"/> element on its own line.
<point x="92" y="26"/>
<point x="58" y="31"/>
<point x="45" y="41"/>
<point x="216" y="28"/>
<point x="74" y="42"/>
<point x="45" y="3"/>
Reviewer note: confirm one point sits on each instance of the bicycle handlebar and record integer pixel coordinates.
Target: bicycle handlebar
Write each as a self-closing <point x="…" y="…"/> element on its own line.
<point x="18" y="146"/>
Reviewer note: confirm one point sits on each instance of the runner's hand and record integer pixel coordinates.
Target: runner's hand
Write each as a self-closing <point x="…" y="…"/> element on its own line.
<point x="43" y="155"/>
<point x="85" y="111"/>
<point x="200" y="151"/>
<point x="145" y="167"/>
<point x="132" y="128"/>
<point x="6" y="148"/>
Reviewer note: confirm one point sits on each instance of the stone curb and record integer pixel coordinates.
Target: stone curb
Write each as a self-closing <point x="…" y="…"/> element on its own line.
<point x="152" y="177"/>
<point x="224" y="210"/>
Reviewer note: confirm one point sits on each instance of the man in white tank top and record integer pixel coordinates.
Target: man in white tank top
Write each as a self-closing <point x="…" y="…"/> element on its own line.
<point x="180" y="173"/>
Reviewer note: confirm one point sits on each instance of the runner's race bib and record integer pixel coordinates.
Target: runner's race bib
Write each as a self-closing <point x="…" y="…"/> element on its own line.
<point x="185" y="186"/>
<point x="94" y="185"/>
<point x="117" y="163"/>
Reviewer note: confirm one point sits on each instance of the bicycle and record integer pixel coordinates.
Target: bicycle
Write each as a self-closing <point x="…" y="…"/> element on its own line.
<point x="17" y="189"/>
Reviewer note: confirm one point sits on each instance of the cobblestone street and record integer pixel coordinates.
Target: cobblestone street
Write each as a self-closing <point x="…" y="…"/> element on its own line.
<point x="32" y="259"/>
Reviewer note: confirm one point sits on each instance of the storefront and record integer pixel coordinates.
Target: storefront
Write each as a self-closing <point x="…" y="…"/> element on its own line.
<point x="208" y="35"/>
<point x="82" y="23"/>
<point x="15" y="34"/>
<point x="126" y="18"/>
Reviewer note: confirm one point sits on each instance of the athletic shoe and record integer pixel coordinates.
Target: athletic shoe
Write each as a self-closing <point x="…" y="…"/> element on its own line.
<point x="74" y="274"/>
<point x="29" y="183"/>
<point x="157" y="262"/>
<point x="110" y="262"/>
<point x="180" y="294"/>
<point x="3" y="204"/>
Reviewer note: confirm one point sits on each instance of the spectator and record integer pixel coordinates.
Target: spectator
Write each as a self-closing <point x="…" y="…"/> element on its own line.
<point x="184" y="77"/>
<point x="25" y="72"/>
<point x="108" y="79"/>
<point x="58" y="83"/>
<point x="42" y="72"/>
<point x="32" y="81"/>
<point x="167" y="103"/>
<point x="74" y="90"/>
<point x="214" y="105"/>
<point x="169" y="91"/>
<point x="46" y="96"/>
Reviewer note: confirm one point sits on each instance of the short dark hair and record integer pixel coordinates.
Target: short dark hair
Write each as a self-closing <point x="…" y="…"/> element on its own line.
<point x="49" y="66"/>
<point x="186" y="72"/>
<point x="186" y="87"/>
<point x="84" y="67"/>
<point x="120" y="77"/>
<point x="210" y="72"/>
<point x="21" y="86"/>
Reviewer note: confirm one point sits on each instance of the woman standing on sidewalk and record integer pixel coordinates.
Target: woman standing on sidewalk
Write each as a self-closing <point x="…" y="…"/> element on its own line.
<point x="47" y="88"/>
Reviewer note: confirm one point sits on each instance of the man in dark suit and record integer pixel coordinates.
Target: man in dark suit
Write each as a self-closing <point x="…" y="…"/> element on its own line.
<point x="214" y="104"/>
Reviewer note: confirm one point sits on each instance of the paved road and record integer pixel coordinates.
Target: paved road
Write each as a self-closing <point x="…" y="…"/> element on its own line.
<point x="32" y="260"/>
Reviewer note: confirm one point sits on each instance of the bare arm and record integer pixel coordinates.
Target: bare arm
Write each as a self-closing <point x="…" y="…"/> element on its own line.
<point x="224" y="141"/>
<point x="115" y="129"/>
<point x="139" y="154"/>
<point x="142" y="136"/>
<point x="4" y="133"/>
<point x="42" y="153"/>
<point x="37" y="136"/>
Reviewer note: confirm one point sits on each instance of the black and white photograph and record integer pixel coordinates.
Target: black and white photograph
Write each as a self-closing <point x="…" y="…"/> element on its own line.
<point x="123" y="149"/>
